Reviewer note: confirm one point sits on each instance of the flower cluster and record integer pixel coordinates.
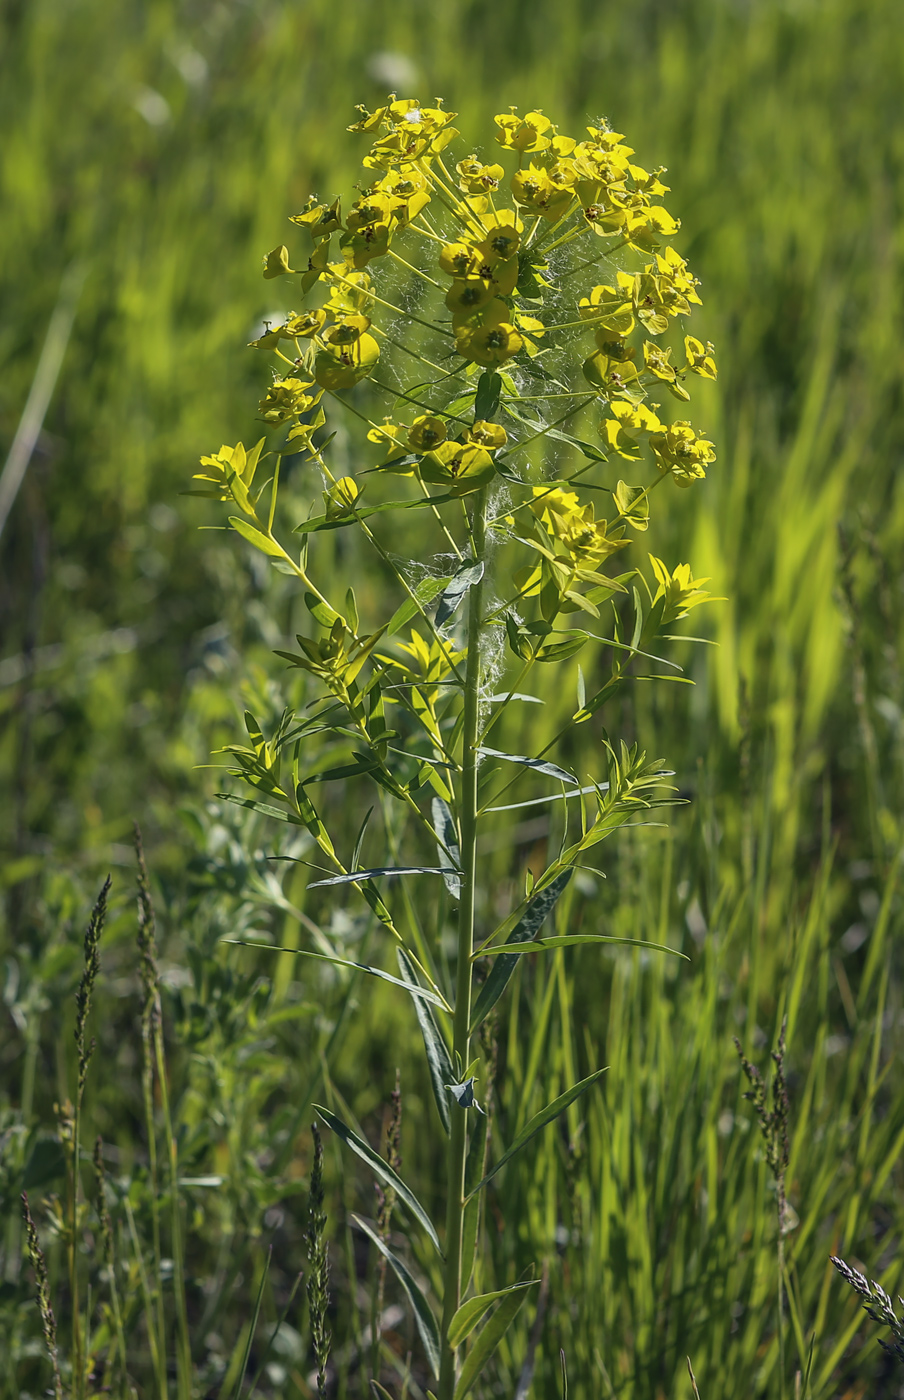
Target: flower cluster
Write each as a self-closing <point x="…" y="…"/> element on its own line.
<point x="503" y="270"/>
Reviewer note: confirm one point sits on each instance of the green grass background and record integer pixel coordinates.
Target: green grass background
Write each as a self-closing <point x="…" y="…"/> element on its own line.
<point x="160" y="146"/>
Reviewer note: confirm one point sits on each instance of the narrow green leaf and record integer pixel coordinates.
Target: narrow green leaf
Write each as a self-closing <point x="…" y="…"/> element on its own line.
<point x="423" y="1313"/>
<point x="550" y="797"/>
<point x="539" y="765"/>
<point x="416" y="991"/>
<point x="470" y="1313"/>
<point x="570" y="940"/>
<point x="263" y="807"/>
<point x="463" y="580"/>
<point x="382" y="1169"/>
<point x="257" y="538"/>
<point x="488" y="1340"/>
<point x="439" y="1061"/>
<point x="447" y="845"/>
<point x="540" y="1120"/>
<point x="378" y="1390"/>
<point x="355" y="876"/>
<point x="537" y="911"/>
<point x="424" y="593"/>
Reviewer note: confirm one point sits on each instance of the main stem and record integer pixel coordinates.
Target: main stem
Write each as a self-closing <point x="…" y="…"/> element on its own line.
<point x="458" y="1140"/>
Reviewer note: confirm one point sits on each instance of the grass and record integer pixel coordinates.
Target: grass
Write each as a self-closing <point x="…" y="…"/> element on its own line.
<point x="654" y="1209"/>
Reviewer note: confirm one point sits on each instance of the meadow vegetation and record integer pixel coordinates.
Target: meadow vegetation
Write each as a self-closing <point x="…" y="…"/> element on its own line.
<point x="153" y="152"/>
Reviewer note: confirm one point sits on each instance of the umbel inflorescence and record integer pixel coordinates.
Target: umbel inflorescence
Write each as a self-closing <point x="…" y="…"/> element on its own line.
<point x="512" y="276"/>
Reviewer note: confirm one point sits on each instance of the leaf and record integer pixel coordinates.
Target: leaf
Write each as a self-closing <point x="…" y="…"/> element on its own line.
<point x="539" y="765"/>
<point x="466" y="575"/>
<point x="488" y="1340"/>
<point x="324" y="522"/>
<point x="424" y="593"/>
<point x="355" y="876"/>
<point x="470" y="1313"/>
<point x="540" y="1120"/>
<point x="416" y="990"/>
<point x="439" y="1061"/>
<point x="571" y="940"/>
<point x="537" y="911"/>
<point x="486" y="400"/>
<point x="263" y="807"/>
<point x="382" y="1169"/>
<point x="550" y="797"/>
<point x="257" y="538"/>
<point x="447" y="845"/>
<point x="423" y="1313"/>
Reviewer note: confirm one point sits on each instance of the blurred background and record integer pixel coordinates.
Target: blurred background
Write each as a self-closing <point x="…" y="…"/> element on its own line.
<point x="150" y="153"/>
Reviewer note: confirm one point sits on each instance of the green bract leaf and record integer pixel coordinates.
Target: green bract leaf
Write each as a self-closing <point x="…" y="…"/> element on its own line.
<point x="423" y="1313"/>
<point x="382" y="1169"/>
<point x="539" y="1122"/>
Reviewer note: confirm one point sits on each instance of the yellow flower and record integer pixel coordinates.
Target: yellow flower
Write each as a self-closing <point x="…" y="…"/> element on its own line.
<point x="320" y="220"/>
<point x="657" y="362"/>
<point x="503" y="238"/>
<point x="460" y="259"/>
<point x="621" y="432"/>
<point x="343" y="363"/>
<point x="426" y="432"/>
<point x="536" y="190"/>
<point x="700" y="360"/>
<point x="464" y="298"/>
<point x="523" y="134"/>
<point x="461" y="466"/>
<point x="371" y="241"/>
<point x="612" y="308"/>
<point x="682" y="453"/>
<point x="475" y="178"/>
<point x="372" y="208"/>
<point x="585" y="539"/>
<point x="489" y="435"/>
<point x="493" y="340"/>
<point x="304" y="325"/>
<point x="285" y="399"/>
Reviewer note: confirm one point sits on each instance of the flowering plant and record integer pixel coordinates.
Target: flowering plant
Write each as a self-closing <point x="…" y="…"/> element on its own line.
<point x="522" y="302"/>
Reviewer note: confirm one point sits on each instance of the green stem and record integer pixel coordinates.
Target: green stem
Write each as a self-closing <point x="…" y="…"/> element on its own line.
<point x="458" y="1142"/>
<point x="183" y="1343"/>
